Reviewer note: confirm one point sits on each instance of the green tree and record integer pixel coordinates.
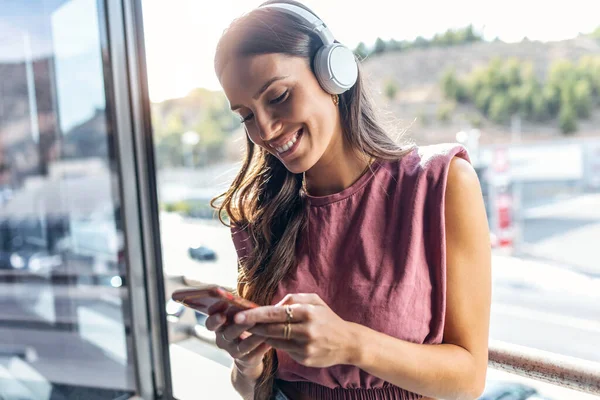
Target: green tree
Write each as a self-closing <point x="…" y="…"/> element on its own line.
<point x="361" y="51"/>
<point x="567" y="119"/>
<point x="588" y="68"/>
<point x="450" y="84"/>
<point x="582" y="98"/>
<point x="512" y="71"/>
<point x="527" y="93"/>
<point x="499" y="109"/>
<point x="516" y="103"/>
<point x="562" y="73"/>
<point x="380" y="46"/>
<point x="445" y="111"/>
<point x="539" y="108"/>
<point x="551" y="96"/>
<point x="420" y="42"/>
<point x="391" y="89"/>
<point x="504" y="88"/>
<point x="174" y="124"/>
<point x="483" y="100"/>
<point x="394" y="45"/>
<point x="470" y="35"/>
<point x="496" y="77"/>
<point x="477" y="81"/>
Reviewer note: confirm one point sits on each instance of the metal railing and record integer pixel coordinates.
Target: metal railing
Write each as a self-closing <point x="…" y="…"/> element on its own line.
<point x="568" y="372"/>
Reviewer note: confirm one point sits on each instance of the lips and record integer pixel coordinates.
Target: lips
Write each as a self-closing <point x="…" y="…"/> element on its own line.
<point x="283" y="145"/>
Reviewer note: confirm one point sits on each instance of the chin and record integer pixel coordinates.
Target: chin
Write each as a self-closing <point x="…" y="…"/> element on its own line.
<point x="294" y="168"/>
<point x="298" y="165"/>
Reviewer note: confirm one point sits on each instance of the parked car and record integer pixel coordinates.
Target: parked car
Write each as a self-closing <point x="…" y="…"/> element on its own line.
<point x="202" y="253"/>
<point x="38" y="262"/>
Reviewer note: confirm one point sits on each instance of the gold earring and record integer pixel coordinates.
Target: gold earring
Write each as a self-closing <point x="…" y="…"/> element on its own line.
<point x="336" y="99"/>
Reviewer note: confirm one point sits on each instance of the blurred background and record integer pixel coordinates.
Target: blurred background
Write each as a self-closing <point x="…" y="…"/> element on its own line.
<point x="518" y="83"/>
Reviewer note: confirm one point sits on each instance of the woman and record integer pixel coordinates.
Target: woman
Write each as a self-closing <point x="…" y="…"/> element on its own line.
<point x="371" y="260"/>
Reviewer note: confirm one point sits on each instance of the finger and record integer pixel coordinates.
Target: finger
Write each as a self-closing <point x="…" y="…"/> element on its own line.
<point x="222" y="343"/>
<point x="234" y="331"/>
<point x="255" y="357"/>
<point x="214" y="322"/>
<point x="290" y="346"/>
<point x="274" y="314"/>
<point x="218" y="307"/>
<point x="277" y="331"/>
<point x="228" y="344"/>
<point x="246" y="346"/>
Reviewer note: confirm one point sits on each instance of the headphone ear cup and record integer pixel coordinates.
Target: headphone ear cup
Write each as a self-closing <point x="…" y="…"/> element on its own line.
<point x="335" y="68"/>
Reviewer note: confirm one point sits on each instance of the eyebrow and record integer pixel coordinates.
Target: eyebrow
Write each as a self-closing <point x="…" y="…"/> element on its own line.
<point x="261" y="90"/>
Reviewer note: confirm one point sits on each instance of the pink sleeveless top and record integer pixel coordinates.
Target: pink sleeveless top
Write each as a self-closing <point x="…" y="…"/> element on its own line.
<point x="375" y="253"/>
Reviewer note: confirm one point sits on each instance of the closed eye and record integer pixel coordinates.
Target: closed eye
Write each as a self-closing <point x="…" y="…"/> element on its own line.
<point x="280" y="99"/>
<point x="247" y="118"/>
<point x="277" y="100"/>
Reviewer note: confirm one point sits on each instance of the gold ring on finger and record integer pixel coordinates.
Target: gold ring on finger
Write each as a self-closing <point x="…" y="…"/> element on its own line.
<point x="290" y="313"/>
<point x="287" y="331"/>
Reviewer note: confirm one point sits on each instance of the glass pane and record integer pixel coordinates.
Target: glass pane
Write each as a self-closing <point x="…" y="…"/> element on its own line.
<point x="522" y="98"/>
<point x="64" y="330"/>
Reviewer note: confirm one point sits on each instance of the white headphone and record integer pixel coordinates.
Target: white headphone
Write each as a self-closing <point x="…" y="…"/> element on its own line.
<point x="334" y="64"/>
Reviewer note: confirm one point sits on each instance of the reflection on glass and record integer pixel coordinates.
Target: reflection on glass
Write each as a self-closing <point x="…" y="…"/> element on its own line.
<point x="63" y="322"/>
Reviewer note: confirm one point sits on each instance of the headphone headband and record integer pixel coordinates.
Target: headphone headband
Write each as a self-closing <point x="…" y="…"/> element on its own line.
<point x="311" y="20"/>
<point x="334" y="65"/>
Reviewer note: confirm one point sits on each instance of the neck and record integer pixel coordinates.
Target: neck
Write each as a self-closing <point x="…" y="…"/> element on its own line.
<point x="337" y="170"/>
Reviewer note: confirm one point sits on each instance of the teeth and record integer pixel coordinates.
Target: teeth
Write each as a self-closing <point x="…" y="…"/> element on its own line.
<point x="287" y="145"/>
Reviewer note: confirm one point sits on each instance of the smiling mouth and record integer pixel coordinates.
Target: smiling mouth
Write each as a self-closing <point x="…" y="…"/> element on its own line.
<point x="288" y="145"/>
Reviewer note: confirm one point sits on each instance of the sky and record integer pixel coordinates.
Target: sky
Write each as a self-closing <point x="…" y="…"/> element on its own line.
<point x="181" y="35"/>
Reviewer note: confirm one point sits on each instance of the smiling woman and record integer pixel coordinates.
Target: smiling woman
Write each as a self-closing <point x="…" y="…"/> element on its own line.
<point x="364" y="254"/>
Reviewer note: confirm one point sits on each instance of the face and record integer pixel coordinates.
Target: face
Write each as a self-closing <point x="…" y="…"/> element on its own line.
<point x="284" y="109"/>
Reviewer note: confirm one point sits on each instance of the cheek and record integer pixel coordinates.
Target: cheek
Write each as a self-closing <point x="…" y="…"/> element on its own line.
<point x="255" y="138"/>
<point x="316" y="113"/>
<point x="323" y="123"/>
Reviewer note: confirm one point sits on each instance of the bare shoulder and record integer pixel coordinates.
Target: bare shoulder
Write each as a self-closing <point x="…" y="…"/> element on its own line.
<point x="464" y="208"/>
<point x="462" y="176"/>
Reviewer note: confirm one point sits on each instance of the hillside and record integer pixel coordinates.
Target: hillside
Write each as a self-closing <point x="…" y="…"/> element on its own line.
<point x="417" y="74"/>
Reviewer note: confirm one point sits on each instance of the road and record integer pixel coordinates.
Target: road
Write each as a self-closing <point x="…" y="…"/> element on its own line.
<point x="564" y="231"/>
<point x="537" y="304"/>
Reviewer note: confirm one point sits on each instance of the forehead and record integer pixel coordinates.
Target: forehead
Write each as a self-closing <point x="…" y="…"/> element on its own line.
<point x="242" y="77"/>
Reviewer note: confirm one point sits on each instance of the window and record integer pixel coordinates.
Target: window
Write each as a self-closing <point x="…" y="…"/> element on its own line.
<point x="522" y="97"/>
<point x="65" y="325"/>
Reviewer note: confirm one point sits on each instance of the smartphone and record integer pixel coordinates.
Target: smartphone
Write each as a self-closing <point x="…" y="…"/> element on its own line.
<point x="202" y="298"/>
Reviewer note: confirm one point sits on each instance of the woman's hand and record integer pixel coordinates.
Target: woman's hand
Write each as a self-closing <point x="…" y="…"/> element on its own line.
<point x="318" y="337"/>
<point x="246" y="349"/>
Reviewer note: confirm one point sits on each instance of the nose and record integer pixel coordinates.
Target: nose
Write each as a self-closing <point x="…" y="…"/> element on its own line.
<point x="268" y="126"/>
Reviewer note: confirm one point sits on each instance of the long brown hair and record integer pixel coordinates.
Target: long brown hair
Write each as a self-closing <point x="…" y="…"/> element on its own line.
<point x="265" y="199"/>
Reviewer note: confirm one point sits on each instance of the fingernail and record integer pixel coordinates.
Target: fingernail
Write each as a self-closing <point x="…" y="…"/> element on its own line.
<point x="220" y="318"/>
<point x="240" y="318"/>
